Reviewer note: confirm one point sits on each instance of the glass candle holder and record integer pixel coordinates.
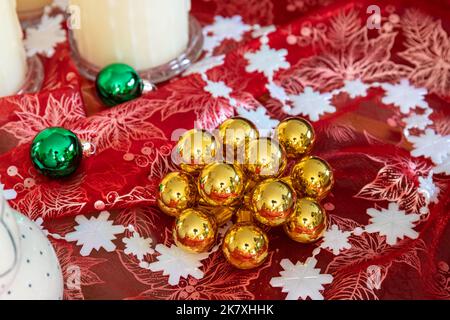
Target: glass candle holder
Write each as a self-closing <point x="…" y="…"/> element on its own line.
<point x="35" y="76"/>
<point x="156" y="74"/>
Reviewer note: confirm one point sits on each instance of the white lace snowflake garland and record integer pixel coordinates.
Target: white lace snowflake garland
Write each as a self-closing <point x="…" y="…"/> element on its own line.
<point x="302" y="280"/>
<point x="310" y="104"/>
<point x="405" y="96"/>
<point x="267" y="61"/>
<point x="392" y="223"/>
<point x="336" y="240"/>
<point x="95" y="233"/>
<point x="431" y="145"/>
<point x="138" y="246"/>
<point x="177" y="263"/>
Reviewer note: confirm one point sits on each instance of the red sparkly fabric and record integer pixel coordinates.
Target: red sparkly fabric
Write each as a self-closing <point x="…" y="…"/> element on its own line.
<point x="383" y="122"/>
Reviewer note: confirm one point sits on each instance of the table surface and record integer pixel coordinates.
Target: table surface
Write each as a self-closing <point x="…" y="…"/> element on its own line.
<point x="379" y="101"/>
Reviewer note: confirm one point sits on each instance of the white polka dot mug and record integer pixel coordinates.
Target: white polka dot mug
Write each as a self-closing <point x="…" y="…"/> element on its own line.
<point x="29" y="268"/>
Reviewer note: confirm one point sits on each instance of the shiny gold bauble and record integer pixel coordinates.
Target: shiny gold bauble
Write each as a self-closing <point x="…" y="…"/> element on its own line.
<point x="245" y="246"/>
<point x="273" y="202"/>
<point x="236" y="133"/>
<point x="176" y="193"/>
<point x="308" y="223"/>
<point x="313" y="177"/>
<point x="221" y="184"/>
<point x="195" y="231"/>
<point x="297" y="136"/>
<point x="264" y="158"/>
<point x="195" y="149"/>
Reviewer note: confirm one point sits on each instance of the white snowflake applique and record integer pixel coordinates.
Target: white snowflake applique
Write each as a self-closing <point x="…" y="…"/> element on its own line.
<point x="355" y="88"/>
<point x="431" y="145"/>
<point x="405" y="96"/>
<point x="418" y="121"/>
<point x="428" y="188"/>
<point x="277" y="92"/>
<point x="301" y="280"/>
<point x="260" y="118"/>
<point x="443" y="168"/>
<point x="310" y="103"/>
<point x="392" y="223"/>
<point x="218" y="89"/>
<point x="263" y="31"/>
<point x="336" y="240"/>
<point x="138" y="246"/>
<point x="205" y="65"/>
<point x="232" y="28"/>
<point x="44" y="38"/>
<point x="267" y="61"/>
<point x="9" y="194"/>
<point x="95" y="233"/>
<point x="177" y="263"/>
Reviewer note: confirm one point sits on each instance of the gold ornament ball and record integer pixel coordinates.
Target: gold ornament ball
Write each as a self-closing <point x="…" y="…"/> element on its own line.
<point x="221" y="184"/>
<point x="245" y="246"/>
<point x="195" y="149"/>
<point x="195" y="231"/>
<point x="273" y="202"/>
<point x="313" y="177"/>
<point x="221" y="214"/>
<point x="264" y="158"/>
<point x="236" y="133"/>
<point x="297" y="137"/>
<point x="308" y="223"/>
<point x="176" y="193"/>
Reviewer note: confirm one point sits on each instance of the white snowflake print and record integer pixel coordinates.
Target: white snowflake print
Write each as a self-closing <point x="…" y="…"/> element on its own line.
<point x="44" y="38"/>
<point x="355" y="88"/>
<point x="405" y="96"/>
<point x="95" y="233"/>
<point x="431" y="145"/>
<point x="392" y="223"/>
<point x="232" y="28"/>
<point x="429" y="189"/>
<point x="301" y="280"/>
<point x="205" y="65"/>
<point x="310" y="103"/>
<point x="261" y="119"/>
<point x="267" y="60"/>
<point x="9" y="194"/>
<point x="277" y="92"/>
<point x="138" y="246"/>
<point x="336" y="240"/>
<point x="177" y="263"/>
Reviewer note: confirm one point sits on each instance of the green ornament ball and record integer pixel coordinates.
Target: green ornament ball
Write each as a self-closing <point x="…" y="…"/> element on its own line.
<point x="56" y="152"/>
<point x="118" y="83"/>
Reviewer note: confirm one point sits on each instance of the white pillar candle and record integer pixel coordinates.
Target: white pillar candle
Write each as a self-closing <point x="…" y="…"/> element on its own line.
<point x="31" y="8"/>
<point x="13" y="62"/>
<point x="141" y="33"/>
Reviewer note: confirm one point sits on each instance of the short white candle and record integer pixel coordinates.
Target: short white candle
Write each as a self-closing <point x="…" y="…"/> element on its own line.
<point x="13" y="63"/>
<point x="141" y="33"/>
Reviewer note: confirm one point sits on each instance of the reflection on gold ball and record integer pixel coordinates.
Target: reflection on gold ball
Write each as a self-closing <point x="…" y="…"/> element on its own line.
<point x="273" y="202"/>
<point x="221" y="184"/>
<point x="308" y="223"/>
<point x="176" y="193"/>
<point x="195" y="231"/>
<point x="236" y="133"/>
<point x="297" y="137"/>
<point x="264" y="158"/>
<point x="195" y="149"/>
<point x="313" y="177"/>
<point x="245" y="246"/>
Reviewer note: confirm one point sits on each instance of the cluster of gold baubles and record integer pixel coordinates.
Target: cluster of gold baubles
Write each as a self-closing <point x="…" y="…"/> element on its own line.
<point x="249" y="182"/>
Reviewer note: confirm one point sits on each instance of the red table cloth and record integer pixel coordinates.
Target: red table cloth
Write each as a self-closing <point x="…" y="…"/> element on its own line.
<point x="375" y="82"/>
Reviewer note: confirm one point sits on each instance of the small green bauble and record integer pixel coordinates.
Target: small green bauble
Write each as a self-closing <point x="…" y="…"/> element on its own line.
<point x="118" y="83"/>
<point x="56" y="152"/>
